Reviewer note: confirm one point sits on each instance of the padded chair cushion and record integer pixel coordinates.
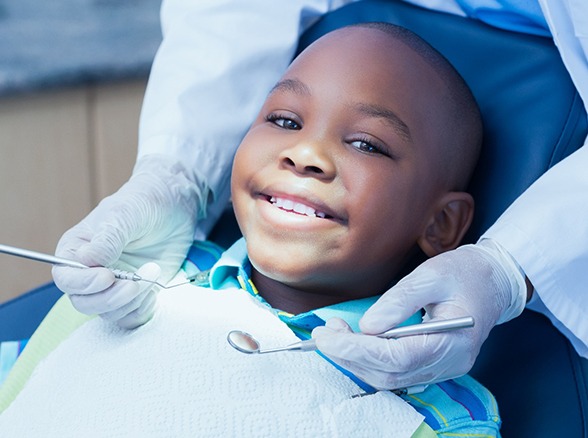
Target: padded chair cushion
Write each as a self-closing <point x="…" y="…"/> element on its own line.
<point x="538" y="379"/>
<point x="20" y="316"/>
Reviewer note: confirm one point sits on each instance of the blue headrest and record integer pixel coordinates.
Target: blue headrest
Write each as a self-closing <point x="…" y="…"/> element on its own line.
<point x="533" y="116"/>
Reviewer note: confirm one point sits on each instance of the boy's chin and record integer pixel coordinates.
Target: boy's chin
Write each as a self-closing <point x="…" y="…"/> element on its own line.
<point x="274" y="270"/>
<point x="283" y="258"/>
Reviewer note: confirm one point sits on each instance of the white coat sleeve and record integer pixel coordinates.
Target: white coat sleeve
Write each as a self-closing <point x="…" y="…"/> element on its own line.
<point x="546" y="229"/>
<point x="214" y="68"/>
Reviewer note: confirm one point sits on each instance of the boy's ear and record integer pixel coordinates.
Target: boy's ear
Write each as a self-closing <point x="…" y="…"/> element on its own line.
<point x="448" y="224"/>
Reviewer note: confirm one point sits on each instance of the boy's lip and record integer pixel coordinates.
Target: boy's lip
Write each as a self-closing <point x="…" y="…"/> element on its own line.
<point x="301" y="202"/>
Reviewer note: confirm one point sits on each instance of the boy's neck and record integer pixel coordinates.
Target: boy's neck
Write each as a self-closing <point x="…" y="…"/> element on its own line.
<point x="290" y="299"/>
<point x="297" y="300"/>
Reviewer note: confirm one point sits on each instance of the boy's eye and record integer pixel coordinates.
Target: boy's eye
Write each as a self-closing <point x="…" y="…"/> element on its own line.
<point x="368" y="147"/>
<point x="283" y="122"/>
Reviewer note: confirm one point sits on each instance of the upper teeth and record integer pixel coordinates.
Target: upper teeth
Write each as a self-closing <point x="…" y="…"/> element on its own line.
<point x="289" y="205"/>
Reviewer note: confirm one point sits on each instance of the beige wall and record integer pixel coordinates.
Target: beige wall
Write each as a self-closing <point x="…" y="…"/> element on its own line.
<point x="60" y="153"/>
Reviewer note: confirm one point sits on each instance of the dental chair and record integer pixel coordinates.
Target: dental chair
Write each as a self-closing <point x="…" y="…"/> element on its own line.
<point x="533" y="118"/>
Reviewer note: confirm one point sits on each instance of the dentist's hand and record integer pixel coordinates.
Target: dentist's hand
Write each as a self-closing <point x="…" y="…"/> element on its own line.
<point x="480" y="280"/>
<point x="152" y="218"/>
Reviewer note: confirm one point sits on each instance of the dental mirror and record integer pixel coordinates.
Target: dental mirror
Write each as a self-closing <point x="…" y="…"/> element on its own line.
<point x="246" y="343"/>
<point x="243" y="342"/>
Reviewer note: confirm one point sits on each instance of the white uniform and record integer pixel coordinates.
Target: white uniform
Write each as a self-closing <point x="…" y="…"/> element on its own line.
<point x="219" y="58"/>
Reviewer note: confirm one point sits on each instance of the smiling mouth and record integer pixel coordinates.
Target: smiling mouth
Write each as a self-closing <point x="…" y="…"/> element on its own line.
<point x="297" y="207"/>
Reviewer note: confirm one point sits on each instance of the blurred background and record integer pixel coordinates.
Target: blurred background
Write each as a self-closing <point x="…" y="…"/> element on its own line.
<point x="72" y="78"/>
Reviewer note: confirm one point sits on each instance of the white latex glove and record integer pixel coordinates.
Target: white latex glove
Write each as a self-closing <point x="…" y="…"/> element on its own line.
<point x="479" y="280"/>
<point x="140" y="309"/>
<point x="151" y="218"/>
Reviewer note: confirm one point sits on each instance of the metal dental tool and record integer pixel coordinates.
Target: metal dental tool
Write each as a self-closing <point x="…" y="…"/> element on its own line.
<point x="199" y="278"/>
<point x="245" y="343"/>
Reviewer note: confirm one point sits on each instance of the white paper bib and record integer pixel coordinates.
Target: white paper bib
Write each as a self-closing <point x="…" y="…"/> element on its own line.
<point x="178" y="377"/>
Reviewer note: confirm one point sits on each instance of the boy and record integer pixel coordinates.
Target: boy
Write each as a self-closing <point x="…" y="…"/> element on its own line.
<point x="357" y="162"/>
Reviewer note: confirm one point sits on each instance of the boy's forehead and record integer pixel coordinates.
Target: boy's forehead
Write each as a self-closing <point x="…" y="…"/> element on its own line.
<point x="359" y="47"/>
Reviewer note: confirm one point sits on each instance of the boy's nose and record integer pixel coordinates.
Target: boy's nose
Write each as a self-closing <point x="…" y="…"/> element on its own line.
<point x="307" y="159"/>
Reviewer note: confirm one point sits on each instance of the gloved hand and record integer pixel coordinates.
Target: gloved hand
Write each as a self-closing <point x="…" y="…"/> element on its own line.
<point x="480" y="280"/>
<point x="152" y="218"/>
<point x="139" y="309"/>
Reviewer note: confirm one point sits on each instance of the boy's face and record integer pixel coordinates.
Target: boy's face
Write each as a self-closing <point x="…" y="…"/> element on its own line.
<point x="336" y="179"/>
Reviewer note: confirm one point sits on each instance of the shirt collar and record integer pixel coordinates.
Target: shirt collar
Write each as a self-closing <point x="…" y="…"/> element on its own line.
<point x="225" y="271"/>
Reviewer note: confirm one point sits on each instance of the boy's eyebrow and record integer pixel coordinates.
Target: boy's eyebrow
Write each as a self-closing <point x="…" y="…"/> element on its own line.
<point x="390" y="116"/>
<point x="298" y="87"/>
<point x="293" y="85"/>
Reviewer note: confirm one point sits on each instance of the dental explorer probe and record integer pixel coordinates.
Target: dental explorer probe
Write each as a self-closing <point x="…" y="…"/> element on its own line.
<point x="118" y="273"/>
